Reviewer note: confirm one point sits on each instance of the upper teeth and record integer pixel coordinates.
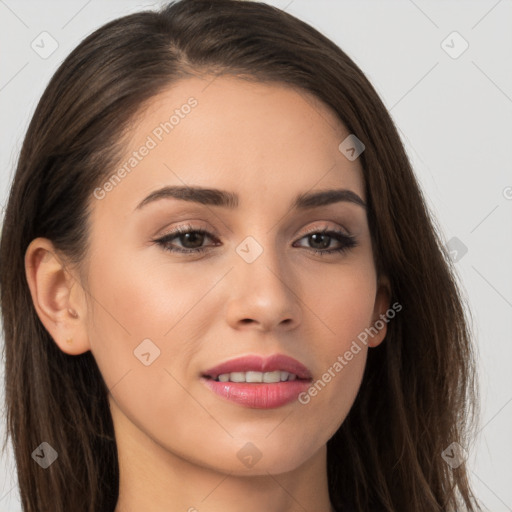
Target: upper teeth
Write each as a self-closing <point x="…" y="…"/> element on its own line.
<point x="277" y="376"/>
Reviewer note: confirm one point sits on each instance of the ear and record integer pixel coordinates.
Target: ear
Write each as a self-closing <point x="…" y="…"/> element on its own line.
<point x="58" y="298"/>
<point x="379" y="318"/>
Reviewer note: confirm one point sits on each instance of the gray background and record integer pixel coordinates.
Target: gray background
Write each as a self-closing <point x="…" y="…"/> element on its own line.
<point x="455" y="118"/>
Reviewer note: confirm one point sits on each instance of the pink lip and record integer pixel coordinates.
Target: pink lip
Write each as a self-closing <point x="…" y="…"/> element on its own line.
<point x="260" y="364"/>
<point x="259" y="395"/>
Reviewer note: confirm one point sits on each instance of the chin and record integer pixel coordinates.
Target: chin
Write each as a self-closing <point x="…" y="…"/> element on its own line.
<point x="259" y="458"/>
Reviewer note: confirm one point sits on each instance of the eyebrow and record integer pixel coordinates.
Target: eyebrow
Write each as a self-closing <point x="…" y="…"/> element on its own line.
<point x="225" y="199"/>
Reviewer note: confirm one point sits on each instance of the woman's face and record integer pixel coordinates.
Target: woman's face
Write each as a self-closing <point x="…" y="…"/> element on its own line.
<point x="160" y="319"/>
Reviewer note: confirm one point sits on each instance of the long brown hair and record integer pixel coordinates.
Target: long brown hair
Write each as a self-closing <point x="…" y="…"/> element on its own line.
<point x="418" y="394"/>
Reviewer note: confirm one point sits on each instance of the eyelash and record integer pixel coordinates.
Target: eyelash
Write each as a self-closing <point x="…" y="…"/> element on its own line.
<point x="349" y="241"/>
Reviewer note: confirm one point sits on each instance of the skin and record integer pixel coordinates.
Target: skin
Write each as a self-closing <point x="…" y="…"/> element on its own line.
<point x="177" y="440"/>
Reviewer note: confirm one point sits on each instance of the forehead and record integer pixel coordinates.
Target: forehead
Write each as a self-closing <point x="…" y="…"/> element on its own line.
<point x="264" y="141"/>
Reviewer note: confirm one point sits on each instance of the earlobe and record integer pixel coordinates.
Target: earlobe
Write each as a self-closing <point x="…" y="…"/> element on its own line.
<point x="382" y="304"/>
<point x="58" y="298"/>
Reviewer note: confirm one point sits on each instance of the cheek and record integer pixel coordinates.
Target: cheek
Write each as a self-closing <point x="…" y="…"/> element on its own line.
<point x="343" y="301"/>
<point x="142" y="300"/>
<point x="138" y="309"/>
<point x="143" y="314"/>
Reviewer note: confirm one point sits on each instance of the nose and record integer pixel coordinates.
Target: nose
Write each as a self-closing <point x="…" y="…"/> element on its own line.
<point x="263" y="294"/>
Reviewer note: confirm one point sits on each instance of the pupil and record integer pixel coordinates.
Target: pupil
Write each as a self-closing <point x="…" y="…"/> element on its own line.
<point x="326" y="238"/>
<point x="196" y="237"/>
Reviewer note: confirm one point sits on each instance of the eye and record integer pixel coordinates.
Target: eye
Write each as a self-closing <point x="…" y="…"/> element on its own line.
<point x="192" y="239"/>
<point x="322" y="239"/>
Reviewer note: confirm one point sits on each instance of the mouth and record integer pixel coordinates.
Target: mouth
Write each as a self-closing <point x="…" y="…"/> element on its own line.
<point x="255" y="368"/>
<point x="258" y="382"/>
<point x="256" y="377"/>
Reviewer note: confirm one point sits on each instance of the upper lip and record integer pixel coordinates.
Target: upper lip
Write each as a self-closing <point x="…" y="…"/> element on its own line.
<point x="260" y="364"/>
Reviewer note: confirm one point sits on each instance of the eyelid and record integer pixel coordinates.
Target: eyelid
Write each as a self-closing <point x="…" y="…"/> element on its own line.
<point x="325" y="227"/>
<point x="188" y="227"/>
<point x="214" y="235"/>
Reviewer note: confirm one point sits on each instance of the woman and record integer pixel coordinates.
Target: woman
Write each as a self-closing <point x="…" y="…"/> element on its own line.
<point x="221" y="286"/>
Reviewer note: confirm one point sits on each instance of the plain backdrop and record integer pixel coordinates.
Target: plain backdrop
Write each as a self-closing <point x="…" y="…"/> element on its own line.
<point x="444" y="71"/>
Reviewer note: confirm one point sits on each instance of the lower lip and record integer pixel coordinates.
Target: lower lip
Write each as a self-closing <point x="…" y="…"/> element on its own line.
<point x="258" y="395"/>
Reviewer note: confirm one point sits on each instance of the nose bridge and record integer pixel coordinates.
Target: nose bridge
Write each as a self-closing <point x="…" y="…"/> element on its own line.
<point x="259" y="259"/>
<point x="262" y="290"/>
